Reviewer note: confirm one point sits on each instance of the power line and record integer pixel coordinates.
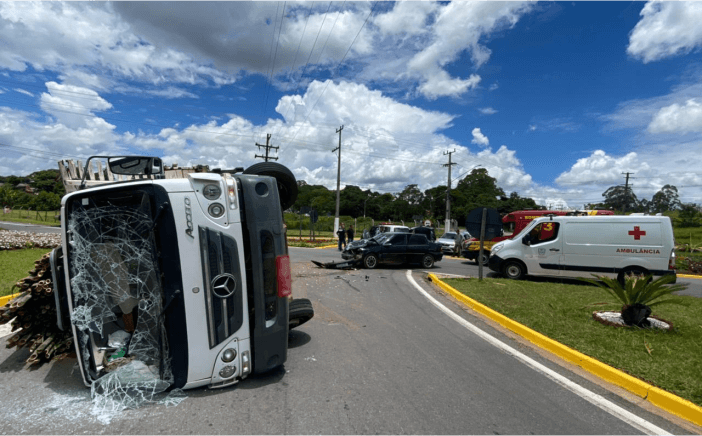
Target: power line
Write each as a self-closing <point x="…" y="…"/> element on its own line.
<point x="338" y="65"/>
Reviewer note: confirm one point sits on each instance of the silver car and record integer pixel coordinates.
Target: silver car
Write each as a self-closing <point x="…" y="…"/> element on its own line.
<point x="450" y="243"/>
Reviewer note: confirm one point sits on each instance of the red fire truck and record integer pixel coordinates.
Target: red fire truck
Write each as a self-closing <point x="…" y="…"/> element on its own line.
<point x="516" y="222"/>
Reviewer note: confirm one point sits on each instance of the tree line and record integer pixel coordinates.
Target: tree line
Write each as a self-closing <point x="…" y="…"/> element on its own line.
<point x="622" y="199"/>
<point x="47" y="186"/>
<point x="477" y="189"/>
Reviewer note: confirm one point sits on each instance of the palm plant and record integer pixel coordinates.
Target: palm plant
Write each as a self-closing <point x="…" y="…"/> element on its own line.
<point x="638" y="294"/>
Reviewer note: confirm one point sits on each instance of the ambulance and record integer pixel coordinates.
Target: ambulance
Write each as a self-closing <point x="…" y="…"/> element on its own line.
<point x="516" y="222"/>
<point x="576" y="246"/>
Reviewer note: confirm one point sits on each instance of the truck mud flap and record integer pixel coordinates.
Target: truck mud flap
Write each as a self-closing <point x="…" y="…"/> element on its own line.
<point x="301" y="311"/>
<point x="346" y="264"/>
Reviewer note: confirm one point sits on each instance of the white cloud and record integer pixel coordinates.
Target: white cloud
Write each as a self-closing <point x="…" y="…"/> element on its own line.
<point x="532" y="127"/>
<point x="74" y="106"/>
<point x="678" y="118"/>
<point x="459" y="26"/>
<point x="406" y="18"/>
<point x="493" y="87"/>
<point x="171" y="92"/>
<point x="440" y="84"/>
<point x="601" y="168"/>
<point x="23" y="91"/>
<point x="666" y="29"/>
<point x="479" y="138"/>
<point x="487" y="111"/>
<point x="72" y="37"/>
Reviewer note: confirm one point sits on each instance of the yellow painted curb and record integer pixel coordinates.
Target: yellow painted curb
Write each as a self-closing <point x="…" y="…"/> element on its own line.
<point x="328" y="246"/>
<point x="689" y="276"/>
<point x="5" y="299"/>
<point x="656" y="396"/>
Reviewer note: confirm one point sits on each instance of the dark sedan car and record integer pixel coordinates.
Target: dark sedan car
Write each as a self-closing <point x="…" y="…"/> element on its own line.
<point x="395" y="248"/>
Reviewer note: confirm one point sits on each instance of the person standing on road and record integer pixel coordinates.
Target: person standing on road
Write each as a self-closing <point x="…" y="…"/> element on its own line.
<point x="350" y="233"/>
<point x="342" y="236"/>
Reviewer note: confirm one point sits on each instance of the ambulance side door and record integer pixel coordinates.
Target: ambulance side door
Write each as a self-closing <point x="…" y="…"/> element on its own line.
<point x="543" y="255"/>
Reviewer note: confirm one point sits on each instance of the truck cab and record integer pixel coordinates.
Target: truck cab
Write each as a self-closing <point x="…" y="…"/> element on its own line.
<point x="189" y="276"/>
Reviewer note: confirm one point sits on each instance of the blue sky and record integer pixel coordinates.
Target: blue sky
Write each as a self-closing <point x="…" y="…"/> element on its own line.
<point x="555" y="99"/>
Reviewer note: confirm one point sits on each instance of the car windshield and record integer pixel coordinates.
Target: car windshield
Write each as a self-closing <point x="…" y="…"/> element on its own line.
<point x="449" y="235"/>
<point x="380" y="238"/>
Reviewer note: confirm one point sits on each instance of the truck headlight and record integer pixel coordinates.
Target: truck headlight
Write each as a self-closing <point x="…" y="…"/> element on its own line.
<point x="216" y="210"/>
<point x="229" y="355"/>
<point x="497" y="247"/>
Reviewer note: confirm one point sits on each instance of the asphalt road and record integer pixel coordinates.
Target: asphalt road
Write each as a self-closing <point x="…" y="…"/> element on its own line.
<point x="21" y="227"/>
<point x="378" y="357"/>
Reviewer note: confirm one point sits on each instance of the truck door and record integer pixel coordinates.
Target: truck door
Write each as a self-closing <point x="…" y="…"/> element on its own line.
<point x="543" y="256"/>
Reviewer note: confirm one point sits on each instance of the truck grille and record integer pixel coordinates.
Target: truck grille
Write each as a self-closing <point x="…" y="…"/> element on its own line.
<point x="222" y="285"/>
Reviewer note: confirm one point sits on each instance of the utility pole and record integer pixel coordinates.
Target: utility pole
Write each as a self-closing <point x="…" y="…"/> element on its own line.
<point x="626" y="191"/>
<point x="268" y="147"/>
<point x="447" y="224"/>
<point x="338" y="181"/>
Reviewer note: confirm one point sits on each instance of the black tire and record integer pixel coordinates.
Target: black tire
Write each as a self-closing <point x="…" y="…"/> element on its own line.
<point x="287" y="185"/>
<point x="486" y="259"/>
<point x="370" y="261"/>
<point x="513" y="270"/>
<point x="427" y="261"/>
<point x="300" y="312"/>
<point x="630" y="272"/>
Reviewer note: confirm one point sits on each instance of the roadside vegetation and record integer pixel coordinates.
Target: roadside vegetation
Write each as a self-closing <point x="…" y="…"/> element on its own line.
<point x="16" y="265"/>
<point x="563" y="312"/>
<point x="39" y="217"/>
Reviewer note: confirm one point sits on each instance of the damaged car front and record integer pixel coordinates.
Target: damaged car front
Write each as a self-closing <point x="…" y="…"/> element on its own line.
<point x="358" y="249"/>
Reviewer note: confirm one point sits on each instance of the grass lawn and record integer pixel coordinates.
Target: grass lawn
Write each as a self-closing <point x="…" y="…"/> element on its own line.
<point x="16" y="265"/>
<point x="670" y="360"/>
<point x="688" y="235"/>
<point x="45" y="218"/>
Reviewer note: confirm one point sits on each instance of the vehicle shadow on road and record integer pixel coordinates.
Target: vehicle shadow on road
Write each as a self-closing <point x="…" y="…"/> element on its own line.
<point x="297" y="338"/>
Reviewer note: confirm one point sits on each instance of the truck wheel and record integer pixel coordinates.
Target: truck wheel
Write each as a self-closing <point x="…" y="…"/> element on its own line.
<point x="630" y="272"/>
<point x="513" y="270"/>
<point x="301" y="311"/>
<point x="287" y="185"/>
<point x="486" y="259"/>
<point x="428" y="261"/>
<point x="370" y="261"/>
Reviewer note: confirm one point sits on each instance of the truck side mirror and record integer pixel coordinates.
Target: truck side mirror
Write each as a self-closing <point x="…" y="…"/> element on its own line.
<point x="135" y="165"/>
<point x="526" y="240"/>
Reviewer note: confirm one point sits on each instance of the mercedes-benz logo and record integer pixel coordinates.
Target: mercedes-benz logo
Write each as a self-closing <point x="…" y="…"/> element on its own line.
<point x="224" y="285"/>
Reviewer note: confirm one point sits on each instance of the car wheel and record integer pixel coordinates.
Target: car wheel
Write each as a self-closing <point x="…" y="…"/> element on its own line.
<point x="301" y="311"/>
<point x="513" y="270"/>
<point x="630" y="272"/>
<point x="486" y="259"/>
<point x="370" y="261"/>
<point x="287" y="185"/>
<point x="428" y="261"/>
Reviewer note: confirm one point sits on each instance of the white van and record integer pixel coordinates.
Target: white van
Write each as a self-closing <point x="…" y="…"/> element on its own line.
<point x="385" y="228"/>
<point x="571" y="246"/>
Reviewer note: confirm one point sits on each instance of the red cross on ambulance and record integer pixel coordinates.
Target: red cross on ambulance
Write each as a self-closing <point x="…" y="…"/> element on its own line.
<point x="637" y="233"/>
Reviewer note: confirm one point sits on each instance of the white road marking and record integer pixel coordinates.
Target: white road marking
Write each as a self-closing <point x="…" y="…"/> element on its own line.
<point x="591" y="397"/>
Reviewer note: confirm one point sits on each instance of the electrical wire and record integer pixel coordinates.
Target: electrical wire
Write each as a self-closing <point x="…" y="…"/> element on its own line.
<point x="338" y="65"/>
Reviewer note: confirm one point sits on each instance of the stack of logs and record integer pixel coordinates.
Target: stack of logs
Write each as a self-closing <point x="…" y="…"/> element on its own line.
<point x="33" y="316"/>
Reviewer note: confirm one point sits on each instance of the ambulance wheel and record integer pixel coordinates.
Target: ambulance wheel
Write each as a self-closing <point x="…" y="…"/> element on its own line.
<point x="486" y="259"/>
<point x="370" y="261"/>
<point x="513" y="270"/>
<point x="428" y="261"/>
<point x="287" y="185"/>
<point x="301" y="311"/>
<point x="630" y="272"/>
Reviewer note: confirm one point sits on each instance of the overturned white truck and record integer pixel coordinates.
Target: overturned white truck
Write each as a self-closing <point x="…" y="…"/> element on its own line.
<point x="189" y="278"/>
